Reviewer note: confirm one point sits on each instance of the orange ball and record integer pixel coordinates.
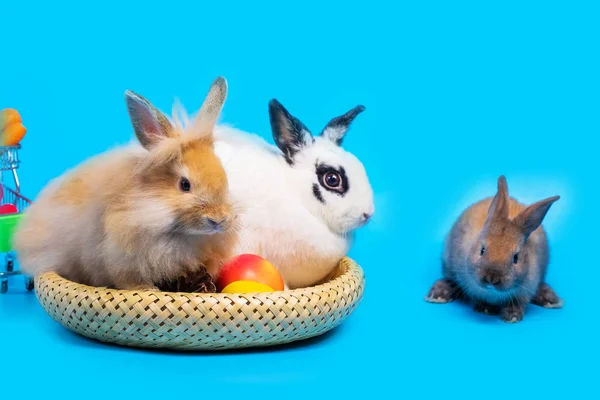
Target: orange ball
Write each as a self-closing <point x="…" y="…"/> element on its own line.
<point x="12" y="134"/>
<point x="249" y="267"/>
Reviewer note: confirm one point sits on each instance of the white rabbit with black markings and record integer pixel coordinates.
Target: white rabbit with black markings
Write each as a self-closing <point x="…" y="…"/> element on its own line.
<point x="300" y="201"/>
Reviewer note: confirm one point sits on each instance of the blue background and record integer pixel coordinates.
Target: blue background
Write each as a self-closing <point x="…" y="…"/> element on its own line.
<point x="456" y="93"/>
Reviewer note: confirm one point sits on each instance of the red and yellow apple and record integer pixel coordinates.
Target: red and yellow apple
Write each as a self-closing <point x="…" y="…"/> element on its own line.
<point x="250" y="273"/>
<point x="246" y="287"/>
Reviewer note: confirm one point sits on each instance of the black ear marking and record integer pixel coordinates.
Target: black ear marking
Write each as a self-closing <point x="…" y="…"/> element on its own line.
<point x="336" y="128"/>
<point x="289" y="133"/>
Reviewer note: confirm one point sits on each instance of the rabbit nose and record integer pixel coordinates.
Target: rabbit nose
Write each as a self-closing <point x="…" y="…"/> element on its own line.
<point x="491" y="279"/>
<point x="215" y="224"/>
<point x="366" y="217"/>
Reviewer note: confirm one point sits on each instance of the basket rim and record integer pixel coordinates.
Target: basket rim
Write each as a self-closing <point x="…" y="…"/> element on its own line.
<point x="351" y="268"/>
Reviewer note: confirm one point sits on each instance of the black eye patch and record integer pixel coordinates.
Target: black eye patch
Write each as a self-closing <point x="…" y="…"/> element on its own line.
<point x="317" y="193"/>
<point x="332" y="179"/>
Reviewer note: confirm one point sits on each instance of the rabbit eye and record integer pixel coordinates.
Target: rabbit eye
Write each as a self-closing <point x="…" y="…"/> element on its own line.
<point x="516" y="258"/>
<point x="332" y="180"/>
<point x="482" y="250"/>
<point x="185" y="185"/>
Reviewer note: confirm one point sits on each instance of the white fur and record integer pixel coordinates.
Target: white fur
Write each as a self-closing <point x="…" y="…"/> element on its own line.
<point x="280" y="218"/>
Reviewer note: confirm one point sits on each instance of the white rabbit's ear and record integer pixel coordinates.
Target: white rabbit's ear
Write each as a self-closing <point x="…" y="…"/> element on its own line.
<point x="149" y="124"/>
<point x="336" y="128"/>
<point x="289" y="132"/>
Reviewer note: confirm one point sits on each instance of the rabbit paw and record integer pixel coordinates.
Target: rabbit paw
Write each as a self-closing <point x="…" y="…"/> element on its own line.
<point x="442" y="291"/>
<point x="486" y="308"/>
<point x="546" y="297"/>
<point x="513" y="313"/>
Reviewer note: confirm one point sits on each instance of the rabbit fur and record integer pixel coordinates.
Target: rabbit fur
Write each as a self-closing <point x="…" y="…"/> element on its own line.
<point x="300" y="200"/>
<point x="496" y="255"/>
<point x="138" y="214"/>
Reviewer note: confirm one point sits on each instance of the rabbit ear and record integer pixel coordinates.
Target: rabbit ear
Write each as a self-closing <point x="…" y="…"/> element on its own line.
<point x="336" y="128"/>
<point x="210" y="110"/>
<point x="531" y="217"/>
<point x="289" y="132"/>
<point x="149" y="124"/>
<point x="499" y="206"/>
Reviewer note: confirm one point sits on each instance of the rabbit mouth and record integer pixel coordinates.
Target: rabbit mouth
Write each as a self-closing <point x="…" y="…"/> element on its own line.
<point x="197" y="230"/>
<point x="492" y="295"/>
<point x="205" y="230"/>
<point x="217" y="229"/>
<point x="364" y="219"/>
<point x="494" y="285"/>
<point x="494" y="289"/>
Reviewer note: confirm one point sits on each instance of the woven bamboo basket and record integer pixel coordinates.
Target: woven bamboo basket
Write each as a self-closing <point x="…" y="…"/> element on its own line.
<point x="202" y="321"/>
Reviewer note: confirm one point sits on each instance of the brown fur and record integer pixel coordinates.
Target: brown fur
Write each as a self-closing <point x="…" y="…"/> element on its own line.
<point x="496" y="255"/>
<point x="121" y="219"/>
<point x="74" y="192"/>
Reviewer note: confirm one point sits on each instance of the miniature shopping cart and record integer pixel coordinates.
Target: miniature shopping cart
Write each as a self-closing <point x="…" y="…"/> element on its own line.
<point x="12" y="205"/>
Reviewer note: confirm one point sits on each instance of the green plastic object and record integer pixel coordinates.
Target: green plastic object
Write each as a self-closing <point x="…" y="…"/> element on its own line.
<point x="8" y="224"/>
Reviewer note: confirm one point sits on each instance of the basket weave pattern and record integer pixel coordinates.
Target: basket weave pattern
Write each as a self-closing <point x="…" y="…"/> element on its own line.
<point x="207" y="321"/>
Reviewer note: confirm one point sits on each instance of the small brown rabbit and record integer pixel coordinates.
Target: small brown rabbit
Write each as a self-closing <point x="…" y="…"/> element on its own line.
<point x="138" y="215"/>
<point x="496" y="256"/>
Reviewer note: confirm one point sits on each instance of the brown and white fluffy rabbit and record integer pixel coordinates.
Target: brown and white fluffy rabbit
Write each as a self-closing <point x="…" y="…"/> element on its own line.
<point x="496" y="256"/>
<point x="135" y="216"/>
